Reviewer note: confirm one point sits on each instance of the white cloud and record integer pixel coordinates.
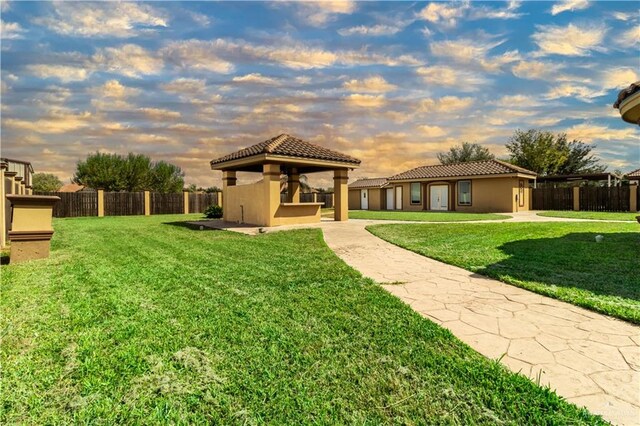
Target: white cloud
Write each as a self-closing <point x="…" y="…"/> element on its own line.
<point x="509" y="12"/>
<point x="366" y="101"/>
<point x="618" y="78"/>
<point x="442" y="75"/>
<point x="10" y="30"/>
<point x="446" y="14"/>
<point x="64" y="73"/>
<point x="129" y="60"/>
<point x="56" y="122"/>
<point x="572" y="40"/>
<point x="108" y="19"/>
<point x="114" y="89"/>
<point x="160" y="114"/>
<point x="569" y="5"/>
<point x="254" y="78"/>
<point x="320" y="13"/>
<point x="200" y="19"/>
<point x="592" y="133"/>
<point x="469" y="51"/>
<point x="448" y="104"/>
<point x="374" y="30"/>
<point x="631" y="37"/>
<point x="197" y="54"/>
<point x="375" y="84"/>
<point x="431" y="131"/>
<point x="584" y="93"/>
<point x="183" y="86"/>
<point x="534" y="70"/>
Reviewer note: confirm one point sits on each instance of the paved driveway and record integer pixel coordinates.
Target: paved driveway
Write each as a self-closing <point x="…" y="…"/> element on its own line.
<point x="590" y="359"/>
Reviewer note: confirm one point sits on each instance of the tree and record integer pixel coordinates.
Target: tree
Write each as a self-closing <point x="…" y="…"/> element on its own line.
<point x="45" y="182"/>
<point x="465" y="153"/>
<point x="549" y="154"/>
<point x="135" y="172"/>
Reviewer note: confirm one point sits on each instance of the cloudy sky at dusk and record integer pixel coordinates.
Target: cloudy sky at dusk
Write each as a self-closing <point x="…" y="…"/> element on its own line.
<point x="390" y="83"/>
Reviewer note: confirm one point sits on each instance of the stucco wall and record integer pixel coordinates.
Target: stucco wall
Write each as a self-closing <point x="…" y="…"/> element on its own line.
<point x="406" y="197"/>
<point x="354" y="199"/>
<point x="496" y="195"/>
<point x="244" y="203"/>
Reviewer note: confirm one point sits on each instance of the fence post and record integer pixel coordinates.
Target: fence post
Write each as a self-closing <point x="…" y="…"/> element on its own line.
<point x="633" y="199"/>
<point x="100" y="202"/>
<point x="147" y="203"/>
<point x="220" y="198"/>
<point x="185" y="200"/>
<point x="576" y="198"/>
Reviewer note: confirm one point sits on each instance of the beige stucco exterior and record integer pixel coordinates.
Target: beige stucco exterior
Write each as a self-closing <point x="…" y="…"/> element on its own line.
<point x="375" y="196"/>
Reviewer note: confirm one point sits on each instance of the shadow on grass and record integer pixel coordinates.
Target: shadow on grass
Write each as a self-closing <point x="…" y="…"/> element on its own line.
<point x="191" y="225"/>
<point x="576" y="260"/>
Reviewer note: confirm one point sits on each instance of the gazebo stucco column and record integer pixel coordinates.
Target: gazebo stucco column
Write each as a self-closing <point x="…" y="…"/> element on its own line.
<point x="293" y="186"/>
<point x="271" y="181"/>
<point x="228" y="179"/>
<point x="341" y="194"/>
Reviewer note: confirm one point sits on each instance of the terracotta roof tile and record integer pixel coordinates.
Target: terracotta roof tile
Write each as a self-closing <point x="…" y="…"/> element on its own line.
<point x="368" y="183"/>
<point x="474" y="168"/>
<point x="634" y="174"/>
<point x="289" y="146"/>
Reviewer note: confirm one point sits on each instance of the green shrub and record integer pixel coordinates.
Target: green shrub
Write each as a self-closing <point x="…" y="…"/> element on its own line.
<point x="213" y="212"/>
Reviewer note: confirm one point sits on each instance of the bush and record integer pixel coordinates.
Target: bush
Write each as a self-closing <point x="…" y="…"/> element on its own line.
<point x="213" y="212"/>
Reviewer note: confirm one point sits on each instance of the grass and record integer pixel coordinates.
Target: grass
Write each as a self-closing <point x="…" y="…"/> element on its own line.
<point x="424" y="216"/>
<point x="592" y="215"/>
<point x="142" y="320"/>
<point x="560" y="260"/>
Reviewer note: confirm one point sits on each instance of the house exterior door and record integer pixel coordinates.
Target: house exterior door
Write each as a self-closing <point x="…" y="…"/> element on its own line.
<point x="364" y="199"/>
<point x="398" y="198"/>
<point x="439" y="197"/>
<point x="389" y="198"/>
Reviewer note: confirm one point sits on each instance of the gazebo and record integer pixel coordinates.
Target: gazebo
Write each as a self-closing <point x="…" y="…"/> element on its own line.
<point x="628" y="103"/>
<point x="259" y="203"/>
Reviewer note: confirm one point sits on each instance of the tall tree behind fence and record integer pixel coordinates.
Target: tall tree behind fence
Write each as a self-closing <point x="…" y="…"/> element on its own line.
<point x="605" y="199"/>
<point x="552" y="199"/>
<point x="123" y="203"/>
<point x="74" y="204"/>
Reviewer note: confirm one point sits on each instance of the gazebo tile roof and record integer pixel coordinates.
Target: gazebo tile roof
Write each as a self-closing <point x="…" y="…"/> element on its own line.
<point x="288" y="146"/>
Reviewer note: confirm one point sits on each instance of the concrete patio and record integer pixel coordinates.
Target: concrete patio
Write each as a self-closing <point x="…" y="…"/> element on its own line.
<point x="590" y="359"/>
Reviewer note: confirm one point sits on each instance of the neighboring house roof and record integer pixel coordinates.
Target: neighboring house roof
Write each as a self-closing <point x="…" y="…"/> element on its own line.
<point x="473" y="168"/>
<point x="626" y="92"/>
<point x="288" y="146"/>
<point x="634" y="174"/>
<point x="368" y="183"/>
<point x="71" y="187"/>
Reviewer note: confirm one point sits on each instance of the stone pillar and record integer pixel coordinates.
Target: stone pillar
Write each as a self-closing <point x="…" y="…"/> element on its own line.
<point x="315" y="197"/>
<point x="341" y="195"/>
<point x="31" y="229"/>
<point x="271" y="182"/>
<point x="293" y="186"/>
<point x="633" y="198"/>
<point x="228" y="179"/>
<point x="185" y="200"/>
<point x="147" y="203"/>
<point x="100" y="202"/>
<point x="3" y="223"/>
<point x="29" y="190"/>
<point x="18" y="185"/>
<point x="576" y="198"/>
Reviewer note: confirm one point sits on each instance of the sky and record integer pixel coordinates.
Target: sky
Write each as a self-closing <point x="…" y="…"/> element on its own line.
<point x="390" y="83"/>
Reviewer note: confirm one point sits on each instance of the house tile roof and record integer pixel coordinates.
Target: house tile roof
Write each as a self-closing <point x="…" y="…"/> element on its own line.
<point x="368" y="183"/>
<point x="289" y="146"/>
<point x="626" y="92"/>
<point x="634" y="174"/>
<point x="71" y="187"/>
<point x="473" y="168"/>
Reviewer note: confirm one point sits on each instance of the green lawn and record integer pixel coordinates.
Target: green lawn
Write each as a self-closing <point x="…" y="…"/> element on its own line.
<point x="560" y="260"/>
<point x="423" y="216"/>
<point x="592" y="215"/>
<point x="142" y="320"/>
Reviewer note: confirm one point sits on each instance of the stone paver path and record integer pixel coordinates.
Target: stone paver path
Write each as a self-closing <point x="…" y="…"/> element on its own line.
<point x="590" y="359"/>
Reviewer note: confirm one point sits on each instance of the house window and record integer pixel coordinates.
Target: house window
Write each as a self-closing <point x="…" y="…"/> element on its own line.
<point x="416" y="193"/>
<point x="464" y="193"/>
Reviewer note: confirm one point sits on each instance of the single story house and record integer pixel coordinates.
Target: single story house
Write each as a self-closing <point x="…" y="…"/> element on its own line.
<point x="368" y="194"/>
<point x="634" y="176"/>
<point x="478" y="186"/>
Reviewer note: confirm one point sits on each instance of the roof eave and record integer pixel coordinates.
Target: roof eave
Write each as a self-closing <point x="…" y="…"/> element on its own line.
<point x="488" y="176"/>
<point x="282" y="159"/>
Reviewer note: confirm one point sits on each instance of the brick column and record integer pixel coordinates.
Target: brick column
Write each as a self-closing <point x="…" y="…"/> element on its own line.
<point x="185" y="200"/>
<point x="576" y="198"/>
<point x="100" y="202"/>
<point x="147" y="203"/>
<point x="341" y="195"/>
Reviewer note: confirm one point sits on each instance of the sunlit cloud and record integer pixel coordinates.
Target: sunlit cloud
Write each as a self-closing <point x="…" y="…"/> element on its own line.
<point x="254" y="78"/>
<point x="319" y="13"/>
<point x="11" y="30"/>
<point x="367" y="101"/>
<point x="431" y="131"/>
<point x="373" y="30"/>
<point x="129" y="60"/>
<point x="63" y="73"/>
<point x="569" y="5"/>
<point x="54" y="122"/>
<point x="184" y="86"/>
<point x="442" y="75"/>
<point x="375" y="84"/>
<point x="160" y="114"/>
<point x="572" y="40"/>
<point x="593" y="133"/>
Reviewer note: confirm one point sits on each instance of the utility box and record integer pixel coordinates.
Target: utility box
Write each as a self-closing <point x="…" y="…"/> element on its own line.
<point x="31" y="229"/>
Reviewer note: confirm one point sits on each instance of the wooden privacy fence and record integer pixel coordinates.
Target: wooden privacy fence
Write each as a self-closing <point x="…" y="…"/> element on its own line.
<point x="552" y="199"/>
<point x="100" y="203"/>
<point x="587" y="198"/>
